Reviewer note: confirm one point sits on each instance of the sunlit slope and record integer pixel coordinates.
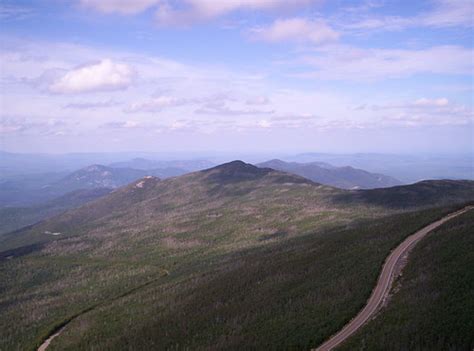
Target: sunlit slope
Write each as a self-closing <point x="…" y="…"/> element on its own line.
<point x="224" y="198"/>
<point x="234" y="255"/>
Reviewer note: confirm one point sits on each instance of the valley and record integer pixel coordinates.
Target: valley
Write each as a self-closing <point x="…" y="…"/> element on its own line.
<point x="233" y="175"/>
<point x="25" y="200"/>
<point x="234" y="256"/>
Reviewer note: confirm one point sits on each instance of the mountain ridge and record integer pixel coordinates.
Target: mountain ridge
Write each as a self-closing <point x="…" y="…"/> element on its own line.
<point x="346" y="177"/>
<point x="271" y="248"/>
<point x="236" y="171"/>
<point x="219" y="186"/>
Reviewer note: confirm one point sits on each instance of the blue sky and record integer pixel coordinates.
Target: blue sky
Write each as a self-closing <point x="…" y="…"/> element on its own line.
<point x="237" y="75"/>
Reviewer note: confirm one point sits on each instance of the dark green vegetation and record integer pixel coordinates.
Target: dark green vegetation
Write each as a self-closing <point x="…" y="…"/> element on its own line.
<point x="433" y="304"/>
<point x="341" y="177"/>
<point x="290" y="295"/>
<point x="234" y="257"/>
<point x="425" y="193"/>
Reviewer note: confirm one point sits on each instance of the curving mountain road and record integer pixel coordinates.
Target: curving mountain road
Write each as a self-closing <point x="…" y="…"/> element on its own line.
<point x="384" y="283"/>
<point x="379" y="294"/>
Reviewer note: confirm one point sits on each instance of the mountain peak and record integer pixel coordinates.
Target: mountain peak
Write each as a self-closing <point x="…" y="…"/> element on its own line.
<point x="237" y="164"/>
<point x="236" y="171"/>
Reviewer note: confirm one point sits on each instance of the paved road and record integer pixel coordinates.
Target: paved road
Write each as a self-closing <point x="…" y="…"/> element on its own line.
<point x="46" y="343"/>
<point x="384" y="283"/>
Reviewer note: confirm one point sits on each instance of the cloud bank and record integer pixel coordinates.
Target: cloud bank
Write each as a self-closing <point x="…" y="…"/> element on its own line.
<point x="296" y="30"/>
<point x="105" y="75"/>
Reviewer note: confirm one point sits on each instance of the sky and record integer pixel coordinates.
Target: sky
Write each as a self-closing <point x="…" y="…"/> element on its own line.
<point x="336" y="76"/>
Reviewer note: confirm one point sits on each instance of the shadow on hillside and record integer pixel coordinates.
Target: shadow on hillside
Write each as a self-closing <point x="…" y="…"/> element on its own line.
<point x="429" y="193"/>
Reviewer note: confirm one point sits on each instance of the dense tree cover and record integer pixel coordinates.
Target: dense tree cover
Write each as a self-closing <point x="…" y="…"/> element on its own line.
<point x="432" y="307"/>
<point x="289" y="295"/>
<point x="233" y="257"/>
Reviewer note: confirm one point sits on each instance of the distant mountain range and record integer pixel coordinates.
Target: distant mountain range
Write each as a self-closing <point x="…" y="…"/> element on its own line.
<point x="26" y="191"/>
<point x="234" y="246"/>
<point x="408" y="168"/>
<point x="234" y="180"/>
<point x="341" y="177"/>
<point x="12" y="218"/>
<point x="29" y="199"/>
<point x="20" y="164"/>
<point x="173" y="167"/>
<point x="99" y="176"/>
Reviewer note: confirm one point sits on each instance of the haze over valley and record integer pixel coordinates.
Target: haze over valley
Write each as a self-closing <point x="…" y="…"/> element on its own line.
<point x="236" y="175"/>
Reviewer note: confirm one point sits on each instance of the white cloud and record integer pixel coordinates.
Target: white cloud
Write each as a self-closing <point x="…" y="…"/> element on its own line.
<point x="296" y="30"/>
<point x="423" y="112"/>
<point x="220" y="108"/>
<point x="432" y="102"/>
<point x="176" y="83"/>
<point x="258" y="100"/>
<point x="414" y="119"/>
<point x="449" y="13"/>
<point x="130" y="124"/>
<point x="236" y="95"/>
<point x="350" y="63"/>
<point x="123" y="125"/>
<point x="176" y="125"/>
<point x="264" y="123"/>
<point x="445" y="13"/>
<point x="30" y="126"/>
<point x="91" y="105"/>
<point x="212" y="8"/>
<point x="295" y="121"/>
<point x="12" y="126"/>
<point x="156" y="104"/>
<point x="126" y="7"/>
<point x="103" y="76"/>
<point x="189" y="11"/>
<point x="386" y="23"/>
